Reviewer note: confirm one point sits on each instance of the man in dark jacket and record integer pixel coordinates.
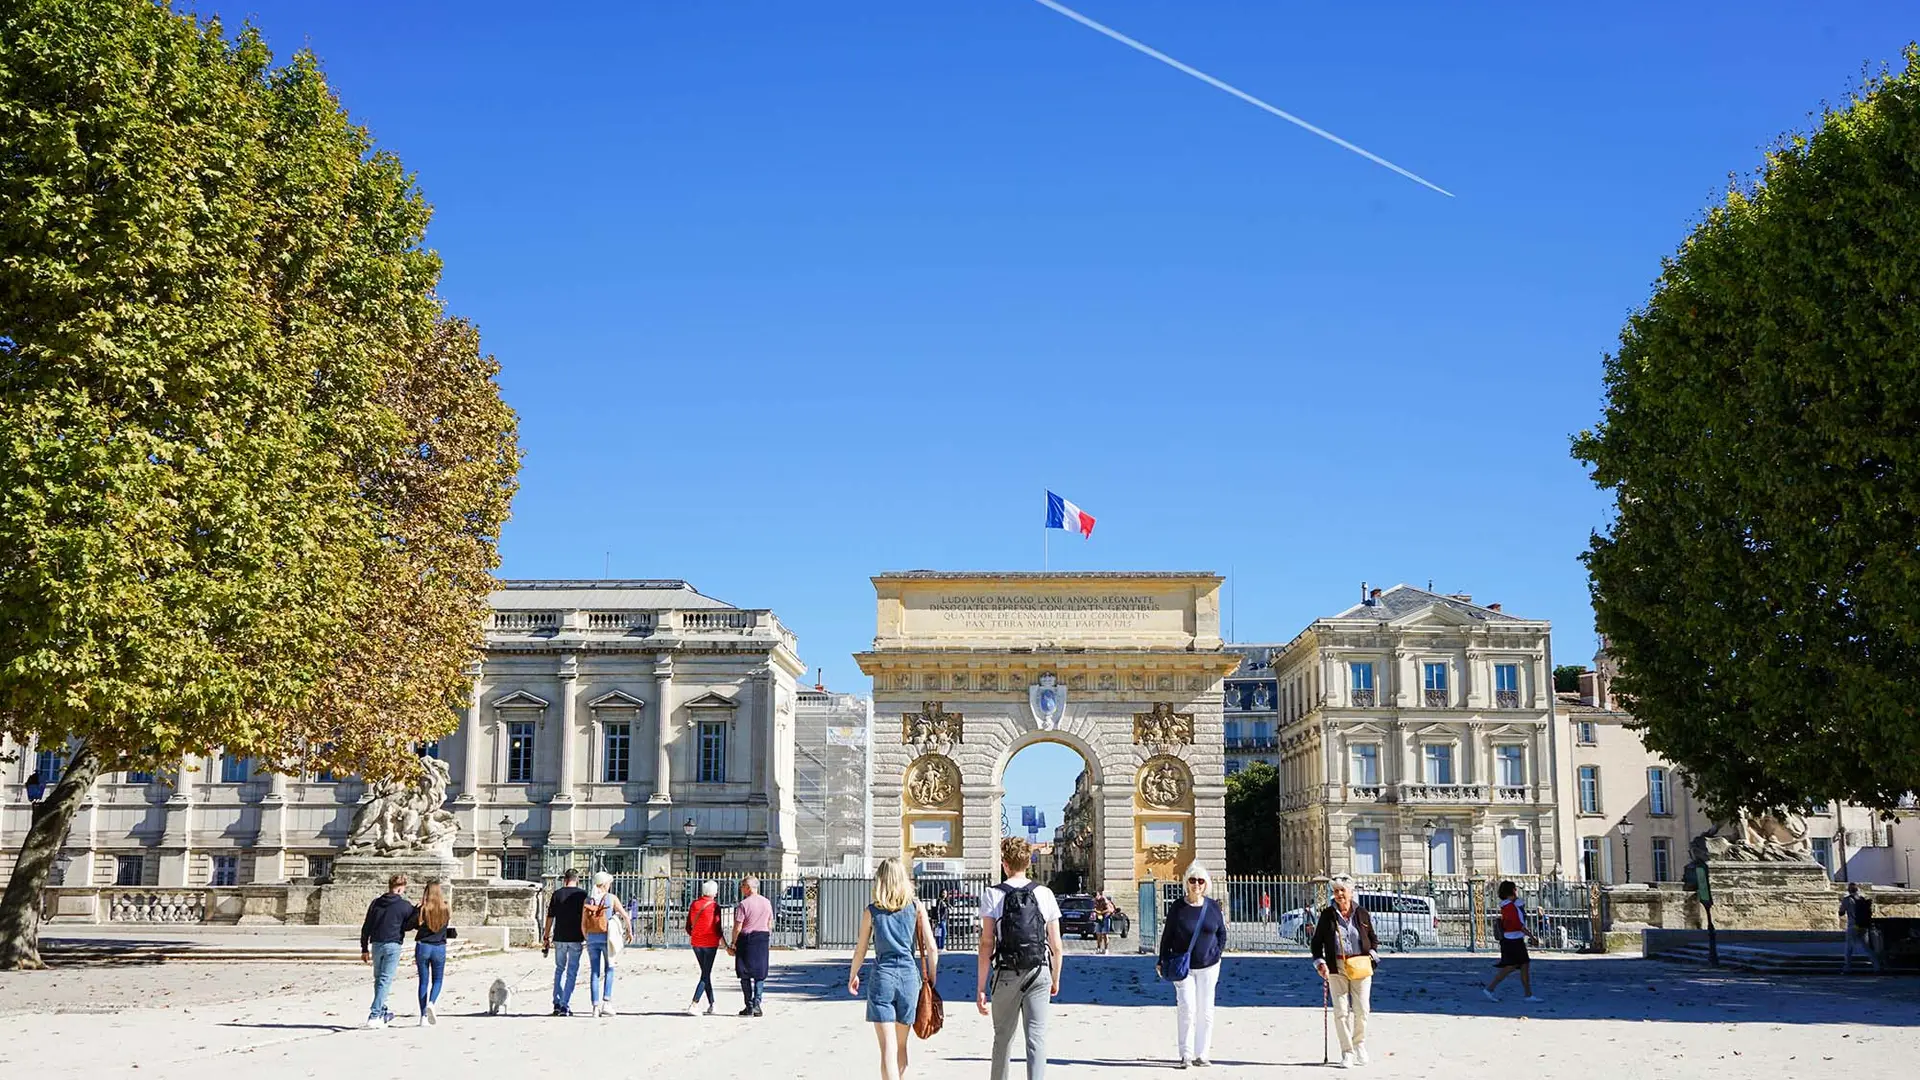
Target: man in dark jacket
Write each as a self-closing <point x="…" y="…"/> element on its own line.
<point x="381" y="936"/>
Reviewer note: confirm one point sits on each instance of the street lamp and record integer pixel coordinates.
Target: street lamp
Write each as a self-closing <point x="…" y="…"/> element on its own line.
<point x="689" y="828"/>
<point x="1430" y="828"/>
<point x="506" y="830"/>
<point x="1626" y="847"/>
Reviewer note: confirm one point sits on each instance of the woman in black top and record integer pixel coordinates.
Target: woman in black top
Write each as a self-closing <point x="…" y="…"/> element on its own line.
<point x="434" y="921"/>
<point x="1190" y="948"/>
<point x="1344" y="952"/>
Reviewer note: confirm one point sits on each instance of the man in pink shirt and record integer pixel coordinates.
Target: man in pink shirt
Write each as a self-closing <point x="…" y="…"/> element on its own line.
<point x="752" y="942"/>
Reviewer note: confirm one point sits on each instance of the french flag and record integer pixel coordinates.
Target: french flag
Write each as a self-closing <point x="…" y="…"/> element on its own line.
<point x="1062" y="514"/>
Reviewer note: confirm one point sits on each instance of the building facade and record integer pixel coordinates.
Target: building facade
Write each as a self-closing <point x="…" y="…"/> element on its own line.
<point x="605" y="714"/>
<point x="1251" y="707"/>
<point x="1416" y="735"/>
<point x="833" y="780"/>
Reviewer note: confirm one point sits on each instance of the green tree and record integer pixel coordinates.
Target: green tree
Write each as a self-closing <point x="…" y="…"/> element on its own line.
<point x="1566" y="678"/>
<point x="1762" y="440"/>
<point x="1253" y="820"/>
<point x="244" y="458"/>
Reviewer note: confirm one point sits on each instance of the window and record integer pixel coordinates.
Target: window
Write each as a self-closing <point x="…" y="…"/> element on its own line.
<point x="706" y="866"/>
<point x="1657" y="794"/>
<point x="48" y="764"/>
<point x="1585" y="733"/>
<point x="618" y="738"/>
<point x="1590" y="858"/>
<point x="1662" y="859"/>
<point x="235" y="769"/>
<point x="1589" y="789"/>
<point x="1434" y="680"/>
<point x="1233" y="733"/>
<point x="1365" y="759"/>
<point x="1439" y="757"/>
<point x="325" y="776"/>
<point x="1506" y="686"/>
<point x="520" y="752"/>
<point x="1366" y="851"/>
<point x="1362" y="675"/>
<point x="1510" y="766"/>
<point x="1262" y="734"/>
<point x="127" y="869"/>
<point x="139" y="776"/>
<point x="514" y="868"/>
<point x="713" y="752"/>
<point x="431" y="750"/>
<point x="1440" y="852"/>
<point x="320" y="867"/>
<point x="226" y="870"/>
<point x="1513" y="851"/>
<point x="1823" y="852"/>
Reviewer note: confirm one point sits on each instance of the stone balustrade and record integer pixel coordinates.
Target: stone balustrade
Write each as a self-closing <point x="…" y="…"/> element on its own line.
<point x="1443" y="793"/>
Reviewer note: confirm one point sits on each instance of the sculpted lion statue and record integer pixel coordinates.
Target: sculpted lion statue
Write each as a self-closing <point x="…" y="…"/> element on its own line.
<point x="1763" y="837"/>
<point x="406" y="817"/>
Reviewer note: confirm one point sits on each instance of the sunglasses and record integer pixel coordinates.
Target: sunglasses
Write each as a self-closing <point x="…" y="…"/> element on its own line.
<point x="1196" y="881"/>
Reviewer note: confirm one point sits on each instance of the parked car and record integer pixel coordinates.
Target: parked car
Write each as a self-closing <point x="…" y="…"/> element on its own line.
<point x="791" y="912"/>
<point x="1401" y="921"/>
<point x="1076" y="917"/>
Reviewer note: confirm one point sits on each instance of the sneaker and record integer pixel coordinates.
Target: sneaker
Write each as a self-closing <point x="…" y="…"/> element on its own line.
<point x="748" y="1011"/>
<point x="1184" y="1063"/>
<point x="709" y="1011"/>
<point x="432" y="1017"/>
<point x="606" y="1009"/>
<point x="1489" y="994"/>
<point x="1346" y="1059"/>
<point x="1360" y="1054"/>
<point x="693" y="1009"/>
<point x="596" y="1010"/>
<point x="1201" y="1063"/>
<point x="376" y="1021"/>
<point x="422" y="1022"/>
<point x="756" y="1010"/>
<point x="1535" y="998"/>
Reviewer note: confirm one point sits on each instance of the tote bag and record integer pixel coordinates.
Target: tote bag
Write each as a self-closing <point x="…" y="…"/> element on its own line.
<point x="930" y="1013"/>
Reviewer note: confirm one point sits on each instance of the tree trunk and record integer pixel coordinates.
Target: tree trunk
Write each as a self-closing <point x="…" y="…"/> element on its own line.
<point x="20" y="907"/>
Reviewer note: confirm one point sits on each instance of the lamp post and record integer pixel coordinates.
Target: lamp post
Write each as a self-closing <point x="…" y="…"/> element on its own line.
<point x="506" y="830"/>
<point x="688" y="829"/>
<point x="1430" y="827"/>
<point x="1626" y="848"/>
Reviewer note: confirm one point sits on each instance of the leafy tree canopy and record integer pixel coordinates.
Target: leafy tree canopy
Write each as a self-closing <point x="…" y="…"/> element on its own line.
<point x="1566" y="678"/>
<point x="1762" y="439"/>
<point x="1253" y="820"/>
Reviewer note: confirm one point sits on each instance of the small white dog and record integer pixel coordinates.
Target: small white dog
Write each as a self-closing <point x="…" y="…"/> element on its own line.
<point x="499" y="996"/>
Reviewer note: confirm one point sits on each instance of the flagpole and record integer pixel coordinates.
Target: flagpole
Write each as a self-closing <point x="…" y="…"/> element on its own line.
<point x="1046" y="550"/>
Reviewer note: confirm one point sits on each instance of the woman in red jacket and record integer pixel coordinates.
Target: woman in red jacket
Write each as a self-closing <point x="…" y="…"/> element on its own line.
<point x="704" y="931"/>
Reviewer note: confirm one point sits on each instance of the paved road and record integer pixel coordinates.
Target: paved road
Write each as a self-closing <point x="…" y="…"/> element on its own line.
<point x="1603" y="1017"/>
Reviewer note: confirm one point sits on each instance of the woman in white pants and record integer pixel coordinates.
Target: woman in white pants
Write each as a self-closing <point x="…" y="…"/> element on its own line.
<point x="1195" y="935"/>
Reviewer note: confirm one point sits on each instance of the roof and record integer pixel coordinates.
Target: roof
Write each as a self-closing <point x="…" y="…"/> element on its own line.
<point x="1255" y="664"/>
<point x="1405" y="600"/>
<point x="1043" y="575"/>
<point x="644" y="594"/>
<point x="1568" y="703"/>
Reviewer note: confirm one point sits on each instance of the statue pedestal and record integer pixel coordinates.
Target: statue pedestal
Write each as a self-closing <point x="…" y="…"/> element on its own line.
<point x="1772" y="896"/>
<point x="358" y="879"/>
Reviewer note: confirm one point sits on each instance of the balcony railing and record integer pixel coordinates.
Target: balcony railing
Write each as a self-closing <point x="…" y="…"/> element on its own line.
<point x="621" y="622"/>
<point x="1252" y="742"/>
<point x="1506" y="699"/>
<point x="1512" y="793"/>
<point x="1436" y="699"/>
<point x="526" y="620"/>
<point x="1363" y="699"/>
<point x="1365" y="792"/>
<point x="717" y="620"/>
<point x="1443" y="793"/>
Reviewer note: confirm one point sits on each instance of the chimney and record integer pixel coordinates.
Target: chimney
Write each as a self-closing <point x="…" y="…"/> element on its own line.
<point x="1373" y="598"/>
<point x="1363" y="591"/>
<point x="819" y="679"/>
<point x="1493" y="607"/>
<point x="1590" y="690"/>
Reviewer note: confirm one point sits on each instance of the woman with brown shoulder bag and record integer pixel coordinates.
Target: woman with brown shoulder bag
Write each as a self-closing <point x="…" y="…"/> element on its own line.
<point x="898" y="986"/>
<point x="1345" y="952"/>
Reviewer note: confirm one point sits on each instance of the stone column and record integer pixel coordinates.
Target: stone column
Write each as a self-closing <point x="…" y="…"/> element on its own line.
<point x="270" y="844"/>
<point x="766" y="718"/>
<point x="560" y="810"/>
<point x="662" y="731"/>
<point x="176" y="845"/>
<point x="470" y="747"/>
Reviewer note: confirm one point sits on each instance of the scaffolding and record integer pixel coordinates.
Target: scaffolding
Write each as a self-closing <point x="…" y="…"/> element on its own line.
<point x="831" y="776"/>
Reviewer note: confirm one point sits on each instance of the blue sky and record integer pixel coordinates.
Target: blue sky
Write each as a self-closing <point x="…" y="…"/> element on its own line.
<point x="791" y="293"/>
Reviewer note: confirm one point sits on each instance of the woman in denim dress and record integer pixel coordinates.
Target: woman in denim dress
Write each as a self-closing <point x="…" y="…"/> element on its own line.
<point x="894" y="923"/>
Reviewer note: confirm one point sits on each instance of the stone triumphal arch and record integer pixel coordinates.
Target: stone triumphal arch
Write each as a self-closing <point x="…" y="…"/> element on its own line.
<point x="1124" y="668"/>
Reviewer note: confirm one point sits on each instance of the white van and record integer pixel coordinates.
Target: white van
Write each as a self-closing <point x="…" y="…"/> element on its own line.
<point x="1401" y="921"/>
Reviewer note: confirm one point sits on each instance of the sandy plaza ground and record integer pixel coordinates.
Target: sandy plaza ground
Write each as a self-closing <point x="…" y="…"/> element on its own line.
<point x="1602" y="1017"/>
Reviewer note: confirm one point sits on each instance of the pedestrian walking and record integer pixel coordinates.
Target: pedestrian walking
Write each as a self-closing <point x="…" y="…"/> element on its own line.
<point x="564" y="936"/>
<point x="752" y="946"/>
<point x="705" y="934"/>
<point x="1345" y="952"/>
<point x="1018" y="974"/>
<point x="433" y="923"/>
<point x="603" y="918"/>
<point x="382" y="933"/>
<point x="1103" y="910"/>
<point x="1856" y="916"/>
<point x="1513" y="944"/>
<point x="896" y="924"/>
<point x="1191" y="943"/>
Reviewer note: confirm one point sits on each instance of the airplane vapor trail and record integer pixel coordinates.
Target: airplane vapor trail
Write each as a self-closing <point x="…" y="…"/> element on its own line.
<point x="1237" y="92"/>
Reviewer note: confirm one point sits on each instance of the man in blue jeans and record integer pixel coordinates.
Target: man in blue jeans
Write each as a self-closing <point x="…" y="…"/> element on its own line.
<point x="382" y="935"/>
<point x="565" y="937"/>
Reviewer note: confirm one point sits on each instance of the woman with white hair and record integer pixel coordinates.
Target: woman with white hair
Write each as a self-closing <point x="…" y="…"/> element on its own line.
<point x="707" y="938"/>
<point x="1345" y="951"/>
<point x="598" y="917"/>
<point x="1190" y="947"/>
<point x="896" y="924"/>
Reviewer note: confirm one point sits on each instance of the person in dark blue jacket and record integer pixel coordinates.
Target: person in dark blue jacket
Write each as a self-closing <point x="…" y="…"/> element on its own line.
<point x="381" y="936"/>
<point x="1190" y="948"/>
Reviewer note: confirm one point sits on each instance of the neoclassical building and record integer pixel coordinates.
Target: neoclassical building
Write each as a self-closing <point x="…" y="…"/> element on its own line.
<point x="1416" y="734"/>
<point x="1250" y="704"/>
<point x="606" y="714"/>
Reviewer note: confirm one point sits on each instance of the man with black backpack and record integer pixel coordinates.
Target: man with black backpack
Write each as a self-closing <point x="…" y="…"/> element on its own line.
<point x="1019" y="969"/>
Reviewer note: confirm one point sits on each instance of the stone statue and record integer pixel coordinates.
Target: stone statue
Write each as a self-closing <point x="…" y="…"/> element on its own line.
<point x="1764" y="837"/>
<point x="406" y="817"/>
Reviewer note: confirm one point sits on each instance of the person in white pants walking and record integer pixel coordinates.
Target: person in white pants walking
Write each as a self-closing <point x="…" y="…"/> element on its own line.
<point x="1191" y="944"/>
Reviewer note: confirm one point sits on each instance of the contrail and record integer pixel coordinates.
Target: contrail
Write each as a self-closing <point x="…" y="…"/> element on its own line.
<point x="1237" y="92"/>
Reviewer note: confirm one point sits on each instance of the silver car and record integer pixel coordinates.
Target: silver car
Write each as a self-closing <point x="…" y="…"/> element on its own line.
<point x="1401" y="921"/>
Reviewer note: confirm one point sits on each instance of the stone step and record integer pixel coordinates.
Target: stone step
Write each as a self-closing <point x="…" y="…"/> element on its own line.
<point x="102" y="952"/>
<point x="1768" y="962"/>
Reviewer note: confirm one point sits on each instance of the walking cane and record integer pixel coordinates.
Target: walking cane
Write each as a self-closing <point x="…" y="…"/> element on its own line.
<point x="1326" y="1003"/>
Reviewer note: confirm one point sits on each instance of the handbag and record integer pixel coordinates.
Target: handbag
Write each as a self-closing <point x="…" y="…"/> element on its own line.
<point x="929" y="1013"/>
<point x="1356" y="967"/>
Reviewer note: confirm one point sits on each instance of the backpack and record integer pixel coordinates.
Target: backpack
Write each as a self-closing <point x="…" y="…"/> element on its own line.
<point x="593" y="917"/>
<point x="1020" y="934"/>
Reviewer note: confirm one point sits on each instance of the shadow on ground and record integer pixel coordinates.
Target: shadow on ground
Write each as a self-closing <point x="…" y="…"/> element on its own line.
<point x="1573" y="989"/>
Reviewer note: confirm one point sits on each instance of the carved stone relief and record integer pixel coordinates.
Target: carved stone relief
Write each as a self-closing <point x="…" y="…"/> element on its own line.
<point x="933" y="783"/>
<point x="932" y="729"/>
<point x="1163" y="726"/>
<point x="1164" y="783"/>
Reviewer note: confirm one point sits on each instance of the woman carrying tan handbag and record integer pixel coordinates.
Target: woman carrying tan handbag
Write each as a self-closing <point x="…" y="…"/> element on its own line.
<point x="900" y="983"/>
<point x="1345" y="952"/>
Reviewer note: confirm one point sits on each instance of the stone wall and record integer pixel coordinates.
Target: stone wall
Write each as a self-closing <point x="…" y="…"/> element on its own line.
<point x="1748" y="896"/>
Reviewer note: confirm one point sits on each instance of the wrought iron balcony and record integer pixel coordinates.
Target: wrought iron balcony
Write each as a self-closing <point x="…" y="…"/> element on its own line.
<point x="1506" y="699"/>
<point x="1252" y="742"/>
<point x="1363" y="699"/>
<point x="1437" y="699"/>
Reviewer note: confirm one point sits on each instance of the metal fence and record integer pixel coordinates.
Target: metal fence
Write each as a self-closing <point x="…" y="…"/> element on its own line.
<point x="658" y="905"/>
<point x="1277" y="913"/>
